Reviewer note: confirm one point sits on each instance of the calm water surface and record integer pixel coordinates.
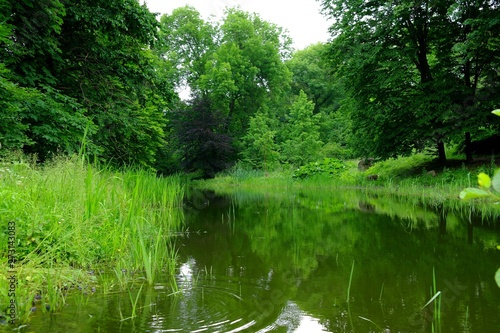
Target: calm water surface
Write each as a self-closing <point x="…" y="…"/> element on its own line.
<point x="282" y="262"/>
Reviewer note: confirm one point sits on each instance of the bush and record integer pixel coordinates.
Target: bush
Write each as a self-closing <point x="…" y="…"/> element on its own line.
<point x="330" y="166"/>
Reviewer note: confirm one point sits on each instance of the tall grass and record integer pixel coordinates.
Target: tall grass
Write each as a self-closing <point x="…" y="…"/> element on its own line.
<point x="72" y="217"/>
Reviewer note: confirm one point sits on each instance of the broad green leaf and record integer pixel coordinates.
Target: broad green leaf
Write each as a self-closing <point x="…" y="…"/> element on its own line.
<point x="496" y="181"/>
<point x="473" y="193"/>
<point x="484" y="180"/>
<point x="496" y="112"/>
<point x="497" y="277"/>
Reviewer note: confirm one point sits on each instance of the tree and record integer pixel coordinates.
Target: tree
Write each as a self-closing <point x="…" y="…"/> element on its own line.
<point x="86" y="65"/>
<point x="398" y="62"/>
<point x="301" y="138"/>
<point x="110" y="68"/>
<point x="186" y="41"/>
<point x="311" y="73"/>
<point x="200" y="133"/>
<point x="262" y="151"/>
<point x="236" y="67"/>
<point x="36" y="117"/>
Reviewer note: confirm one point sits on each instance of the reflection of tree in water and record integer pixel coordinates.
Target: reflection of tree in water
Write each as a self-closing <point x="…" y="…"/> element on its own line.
<point x="303" y="246"/>
<point x="318" y="245"/>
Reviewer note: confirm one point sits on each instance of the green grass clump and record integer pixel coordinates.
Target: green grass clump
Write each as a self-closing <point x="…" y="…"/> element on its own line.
<point x="71" y="217"/>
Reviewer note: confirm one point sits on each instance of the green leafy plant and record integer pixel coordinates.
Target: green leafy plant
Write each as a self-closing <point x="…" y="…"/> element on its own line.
<point x="488" y="188"/>
<point x="330" y="166"/>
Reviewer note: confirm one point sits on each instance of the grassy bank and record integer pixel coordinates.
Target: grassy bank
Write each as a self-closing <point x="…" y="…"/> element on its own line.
<point x="417" y="179"/>
<point x="79" y="227"/>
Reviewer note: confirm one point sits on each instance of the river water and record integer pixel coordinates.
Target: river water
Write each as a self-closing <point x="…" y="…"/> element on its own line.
<point x="311" y="261"/>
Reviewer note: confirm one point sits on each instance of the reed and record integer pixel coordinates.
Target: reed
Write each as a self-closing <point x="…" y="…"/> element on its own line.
<point x="381" y="292"/>
<point x="436" y="298"/>
<point x="372" y="322"/>
<point x="71" y="216"/>
<point x="350" y="282"/>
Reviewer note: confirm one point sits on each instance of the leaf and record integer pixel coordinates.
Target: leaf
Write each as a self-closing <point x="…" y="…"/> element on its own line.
<point x="496" y="181"/>
<point x="433" y="298"/>
<point x="497" y="277"/>
<point x="473" y="193"/>
<point x="496" y="112"/>
<point x="484" y="180"/>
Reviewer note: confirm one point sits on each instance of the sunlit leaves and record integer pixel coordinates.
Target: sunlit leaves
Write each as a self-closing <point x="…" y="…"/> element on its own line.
<point x="485" y="191"/>
<point x="497" y="277"/>
<point x="473" y="193"/>
<point x="484" y="180"/>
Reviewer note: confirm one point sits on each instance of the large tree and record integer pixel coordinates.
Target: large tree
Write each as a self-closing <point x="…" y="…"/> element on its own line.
<point x="236" y="68"/>
<point x="86" y="65"/>
<point x="247" y="69"/>
<point x="186" y="41"/>
<point x="410" y="77"/>
<point x="35" y="116"/>
<point x="311" y="73"/>
<point x="110" y="68"/>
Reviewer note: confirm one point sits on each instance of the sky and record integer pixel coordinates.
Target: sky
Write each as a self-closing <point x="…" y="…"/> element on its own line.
<point x="301" y="18"/>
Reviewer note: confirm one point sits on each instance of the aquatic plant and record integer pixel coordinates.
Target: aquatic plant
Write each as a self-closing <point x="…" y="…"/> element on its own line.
<point x="436" y="298"/>
<point x="350" y="282"/>
<point x="70" y="216"/>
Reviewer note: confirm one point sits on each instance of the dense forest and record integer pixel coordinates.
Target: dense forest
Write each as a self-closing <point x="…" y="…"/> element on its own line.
<point x="102" y="78"/>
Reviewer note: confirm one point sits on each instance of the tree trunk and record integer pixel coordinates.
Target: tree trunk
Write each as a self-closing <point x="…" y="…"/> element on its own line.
<point x="441" y="152"/>
<point x="468" y="150"/>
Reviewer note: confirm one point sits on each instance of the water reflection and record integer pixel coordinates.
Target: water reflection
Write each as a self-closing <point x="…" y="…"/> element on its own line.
<point x="281" y="262"/>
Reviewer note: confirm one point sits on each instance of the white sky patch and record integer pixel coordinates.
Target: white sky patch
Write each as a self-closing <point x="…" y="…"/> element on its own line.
<point x="301" y="18"/>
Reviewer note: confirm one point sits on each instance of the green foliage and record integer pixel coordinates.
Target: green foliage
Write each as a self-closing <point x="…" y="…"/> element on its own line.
<point x="200" y="132"/>
<point x="301" y="136"/>
<point x="262" y="151"/>
<point x="238" y="65"/>
<point x="186" y="41"/>
<point x="74" y="65"/>
<point x="41" y="121"/>
<point x="487" y="187"/>
<point x="70" y="217"/>
<point x="312" y="74"/>
<point x="416" y="74"/>
<point x="329" y="166"/>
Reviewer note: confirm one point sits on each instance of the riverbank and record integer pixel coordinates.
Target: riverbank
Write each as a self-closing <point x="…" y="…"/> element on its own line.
<point x="417" y="179"/>
<point x="68" y="225"/>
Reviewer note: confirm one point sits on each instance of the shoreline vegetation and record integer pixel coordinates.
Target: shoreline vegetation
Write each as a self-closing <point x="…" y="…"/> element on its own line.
<point x="84" y="229"/>
<point x="418" y="180"/>
<point x="88" y="229"/>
